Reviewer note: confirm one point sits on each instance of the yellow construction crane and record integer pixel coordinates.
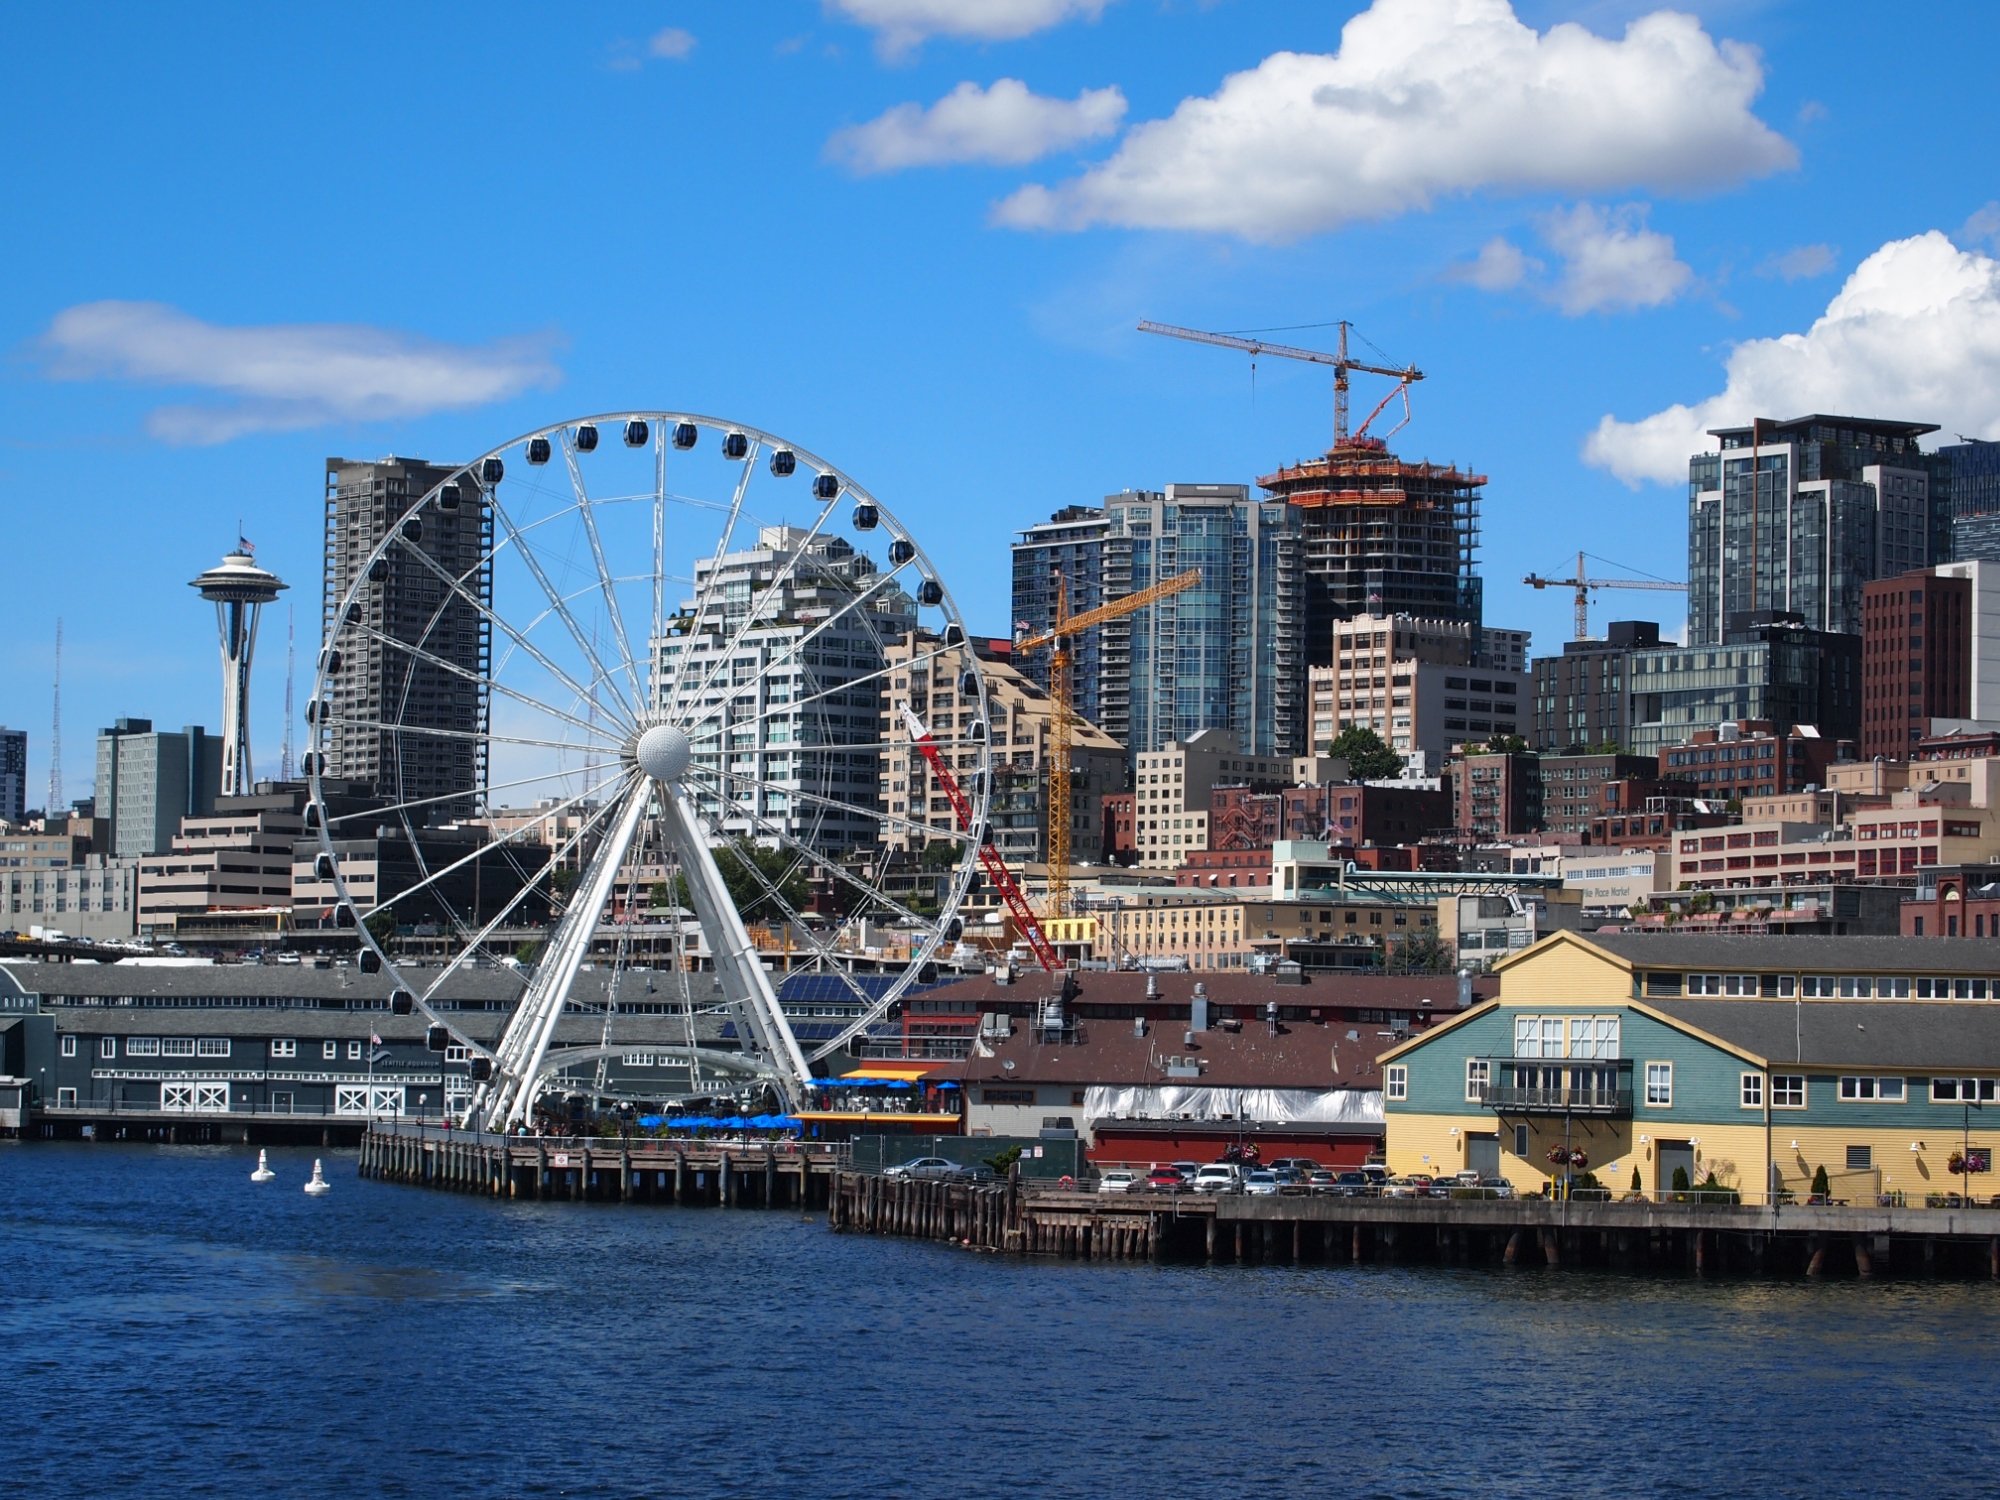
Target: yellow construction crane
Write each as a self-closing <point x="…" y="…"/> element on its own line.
<point x="1583" y="584"/>
<point x="1062" y="708"/>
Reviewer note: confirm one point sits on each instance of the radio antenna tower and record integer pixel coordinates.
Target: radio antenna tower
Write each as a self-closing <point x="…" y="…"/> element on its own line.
<point x="55" y="735"/>
<point x="285" y="754"/>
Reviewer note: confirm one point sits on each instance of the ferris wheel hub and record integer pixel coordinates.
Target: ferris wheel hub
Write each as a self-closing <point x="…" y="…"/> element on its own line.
<point x="664" y="752"/>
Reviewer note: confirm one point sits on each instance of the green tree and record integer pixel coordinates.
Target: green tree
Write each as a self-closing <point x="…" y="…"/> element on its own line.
<point x="1507" y="744"/>
<point x="382" y="927"/>
<point x="1821" y="1188"/>
<point x="1367" y="757"/>
<point x="752" y="874"/>
<point x="1422" y="952"/>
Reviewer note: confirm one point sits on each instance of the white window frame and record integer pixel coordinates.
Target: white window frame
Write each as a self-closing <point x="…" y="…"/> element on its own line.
<point x="354" y="1052"/>
<point x="1897" y="988"/>
<point x="107" y="1046"/>
<point x="1782" y="1092"/>
<point x="177" y="1046"/>
<point x="1665" y="1094"/>
<point x="1818" y="986"/>
<point x="69" y="1046"/>
<point x="1981" y="1089"/>
<point x="1750" y="1091"/>
<point x="1893" y="1089"/>
<point x="211" y="1046"/>
<point x="329" y="1051"/>
<point x="1396" y="1083"/>
<point x="1865" y="1088"/>
<point x="284" y="1046"/>
<point x="142" y="1046"/>
<point x="1478" y="1079"/>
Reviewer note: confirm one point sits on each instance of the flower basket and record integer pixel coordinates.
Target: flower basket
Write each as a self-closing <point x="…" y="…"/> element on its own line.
<point x="1960" y="1164"/>
<point x="1562" y="1156"/>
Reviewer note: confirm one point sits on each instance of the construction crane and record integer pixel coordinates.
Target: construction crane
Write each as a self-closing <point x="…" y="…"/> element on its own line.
<point x="989" y="857"/>
<point x="1583" y="584"/>
<point x="1404" y="378"/>
<point x="1062" y="708"/>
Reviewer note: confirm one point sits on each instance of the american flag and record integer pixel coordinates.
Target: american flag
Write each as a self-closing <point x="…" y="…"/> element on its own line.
<point x="374" y="1040"/>
<point x="246" y="545"/>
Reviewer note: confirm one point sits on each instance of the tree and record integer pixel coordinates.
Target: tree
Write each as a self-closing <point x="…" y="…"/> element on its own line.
<point x="1506" y="744"/>
<point x="1367" y="757"/>
<point x="1821" y="1188"/>
<point x="1422" y="952"/>
<point x="752" y="874"/>
<point x="382" y="927"/>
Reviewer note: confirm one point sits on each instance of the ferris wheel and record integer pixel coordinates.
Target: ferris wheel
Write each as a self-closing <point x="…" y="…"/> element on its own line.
<point x="632" y="674"/>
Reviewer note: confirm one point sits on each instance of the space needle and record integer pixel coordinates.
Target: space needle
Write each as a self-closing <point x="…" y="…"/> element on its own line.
<point x="239" y="589"/>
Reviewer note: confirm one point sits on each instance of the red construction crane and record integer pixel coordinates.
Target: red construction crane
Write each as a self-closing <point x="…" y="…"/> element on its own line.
<point x="989" y="857"/>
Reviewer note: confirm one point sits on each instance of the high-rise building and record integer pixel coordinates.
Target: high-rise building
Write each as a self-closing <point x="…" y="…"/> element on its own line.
<point x="806" y="763"/>
<point x="1916" y="658"/>
<point x="1379" y="536"/>
<point x="1422" y="685"/>
<point x="14" y="775"/>
<point x="1776" y="670"/>
<point x="1794" y="517"/>
<point x="1583" y="697"/>
<point x="148" y="781"/>
<point x="1968" y="506"/>
<point x="239" y="590"/>
<point x="1223" y="654"/>
<point x="405" y="600"/>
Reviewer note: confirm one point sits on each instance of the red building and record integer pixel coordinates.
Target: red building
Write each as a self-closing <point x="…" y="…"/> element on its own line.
<point x="1120" y="840"/>
<point x="1965" y="902"/>
<point x="1916" y="659"/>
<point x="1750" y="759"/>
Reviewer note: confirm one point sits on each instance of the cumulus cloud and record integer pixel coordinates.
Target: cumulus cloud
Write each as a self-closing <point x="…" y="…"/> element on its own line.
<point x="1005" y="124"/>
<point x="1500" y="266"/>
<point x="283" y="375"/>
<point x="900" y="25"/>
<point x="1914" y="334"/>
<point x="1801" y="263"/>
<point x="1428" y="98"/>
<point x="1983" y="228"/>
<point x="1611" y="262"/>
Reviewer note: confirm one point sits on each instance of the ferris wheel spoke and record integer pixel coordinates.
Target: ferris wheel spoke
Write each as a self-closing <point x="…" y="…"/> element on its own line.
<point x="606" y="581"/>
<point x="487" y="613"/>
<point x="659" y="499"/>
<point x="533" y="563"/>
<point x="714" y="587"/>
<point x="623" y="775"/>
<point x="376" y="814"/>
<point x="436" y="732"/>
<point x="431" y="658"/>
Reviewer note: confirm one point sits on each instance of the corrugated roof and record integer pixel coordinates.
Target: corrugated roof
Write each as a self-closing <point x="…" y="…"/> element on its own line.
<point x="1327" y="1056"/>
<point x="1800" y="954"/>
<point x="1126" y="987"/>
<point x="1904" y="1034"/>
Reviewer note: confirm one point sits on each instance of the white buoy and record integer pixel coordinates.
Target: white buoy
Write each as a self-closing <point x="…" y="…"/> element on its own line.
<point x="263" y="1172"/>
<point x="319" y="1184"/>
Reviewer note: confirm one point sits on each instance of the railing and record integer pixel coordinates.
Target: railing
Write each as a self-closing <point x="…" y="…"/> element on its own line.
<point x="1513" y="1098"/>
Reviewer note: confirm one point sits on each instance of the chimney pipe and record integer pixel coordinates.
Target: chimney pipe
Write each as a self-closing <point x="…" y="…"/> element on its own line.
<point x="1465" y="989"/>
<point x="1271" y="1017"/>
<point x="1198" y="1008"/>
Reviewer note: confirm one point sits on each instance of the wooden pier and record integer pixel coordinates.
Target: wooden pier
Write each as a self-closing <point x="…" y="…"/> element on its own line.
<point x="726" y="1174"/>
<point x="1030" y="1219"/>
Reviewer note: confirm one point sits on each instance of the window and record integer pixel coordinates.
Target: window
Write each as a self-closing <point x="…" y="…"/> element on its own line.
<point x="142" y="1046"/>
<point x="1860" y="1158"/>
<point x="69" y="1046"/>
<point x="1962" y="1090"/>
<point x="354" y="1052"/>
<point x="1753" y="1091"/>
<point x="1660" y="1084"/>
<point x="284" y="1046"/>
<point x="1817" y="986"/>
<point x="1892" y="989"/>
<point x="1788" y="1091"/>
<point x="1862" y="1088"/>
<point x="1520" y="1140"/>
<point x="177" y="1046"/>
<point x="459" y="1052"/>
<point x="212" y="1046"/>
<point x="1478" y="1074"/>
<point x="1396" y="1082"/>
<point x="1593" y="1036"/>
<point x="328" y="1051"/>
<point x="1538" y="1036"/>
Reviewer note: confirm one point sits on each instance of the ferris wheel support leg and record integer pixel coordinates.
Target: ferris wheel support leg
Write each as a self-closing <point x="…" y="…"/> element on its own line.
<point x="737" y="967"/>
<point x="521" y="1050"/>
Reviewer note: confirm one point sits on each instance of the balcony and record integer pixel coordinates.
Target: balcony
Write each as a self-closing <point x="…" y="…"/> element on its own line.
<point x="1599" y="1088"/>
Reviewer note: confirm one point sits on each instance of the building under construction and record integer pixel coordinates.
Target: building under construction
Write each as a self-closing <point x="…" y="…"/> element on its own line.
<point x="1380" y="536"/>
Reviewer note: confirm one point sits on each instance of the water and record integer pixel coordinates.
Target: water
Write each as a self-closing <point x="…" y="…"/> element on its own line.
<point x="169" y="1328"/>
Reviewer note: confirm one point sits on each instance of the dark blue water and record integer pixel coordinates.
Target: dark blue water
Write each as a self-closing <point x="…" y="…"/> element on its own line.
<point x="170" y="1329"/>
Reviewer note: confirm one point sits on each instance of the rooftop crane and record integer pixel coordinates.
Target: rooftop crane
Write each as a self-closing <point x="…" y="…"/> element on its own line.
<point x="1062" y="708"/>
<point x="1584" y="584"/>
<point x="1404" y="378"/>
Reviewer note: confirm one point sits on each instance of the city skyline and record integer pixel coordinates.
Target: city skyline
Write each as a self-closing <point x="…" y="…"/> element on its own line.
<point x="925" y="253"/>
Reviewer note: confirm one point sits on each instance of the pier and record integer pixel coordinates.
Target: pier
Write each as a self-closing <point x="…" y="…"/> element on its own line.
<point x="604" y="1169"/>
<point x="1026" y="1218"/>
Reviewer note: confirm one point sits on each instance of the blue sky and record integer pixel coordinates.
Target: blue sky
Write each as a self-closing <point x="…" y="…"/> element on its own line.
<point x="914" y="235"/>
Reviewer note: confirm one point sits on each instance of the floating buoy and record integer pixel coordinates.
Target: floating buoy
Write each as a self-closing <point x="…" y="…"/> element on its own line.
<point x="319" y="1184"/>
<point x="263" y="1172"/>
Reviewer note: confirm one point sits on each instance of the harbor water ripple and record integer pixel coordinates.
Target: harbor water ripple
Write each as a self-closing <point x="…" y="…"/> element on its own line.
<point x="169" y="1328"/>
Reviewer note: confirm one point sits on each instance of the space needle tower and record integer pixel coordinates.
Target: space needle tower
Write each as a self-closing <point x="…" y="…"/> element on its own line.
<point x="239" y="589"/>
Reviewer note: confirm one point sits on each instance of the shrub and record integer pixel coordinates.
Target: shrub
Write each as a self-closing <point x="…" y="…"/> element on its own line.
<point x="1635" y="1181"/>
<point x="1680" y="1179"/>
<point x="1820" y="1188"/>
<point x="1002" y="1161"/>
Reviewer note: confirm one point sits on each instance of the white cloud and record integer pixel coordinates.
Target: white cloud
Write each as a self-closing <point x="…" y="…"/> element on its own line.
<point x="1610" y="261"/>
<point x="1801" y="263"/>
<point x="1005" y="124"/>
<point x="1500" y="266"/>
<point x="1983" y="228"/>
<point x="900" y="25"/>
<point x="284" y="375"/>
<point x="1913" y="335"/>
<point x="670" y="42"/>
<point x="1425" y="98"/>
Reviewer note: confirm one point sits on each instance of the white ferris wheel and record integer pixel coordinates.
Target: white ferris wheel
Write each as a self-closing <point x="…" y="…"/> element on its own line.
<point x="671" y="640"/>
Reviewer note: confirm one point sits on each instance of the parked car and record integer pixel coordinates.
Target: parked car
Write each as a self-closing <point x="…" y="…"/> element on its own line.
<point x="1353" y="1185"/>
<point x="1166" y="1180"/>
<point x="1291" y="1181"/>
<point x="1187" y="1169"/>
<point x="1399" y="1187"/>
<point x="1118" y="1180"/>
<point x="1498" y="1187"/>
<point x="1322" y="1180"/>
<point x="1426" y="1186"/>
<point x="1261" y="1182"/>
<point x="1303" y="1165"/>
<point x="1375" y="1172"/>
<point x="1219" y="1177"/>
<point x="923" y="1167"/>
